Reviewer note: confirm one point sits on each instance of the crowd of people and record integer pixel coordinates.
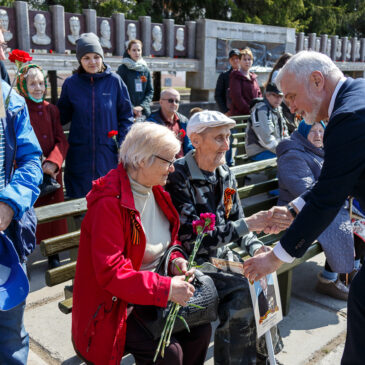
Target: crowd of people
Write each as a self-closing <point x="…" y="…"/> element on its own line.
<point x="148" y="176"/>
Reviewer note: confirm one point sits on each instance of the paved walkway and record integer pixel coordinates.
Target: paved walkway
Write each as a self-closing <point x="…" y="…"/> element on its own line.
<point x="313" y="332"/>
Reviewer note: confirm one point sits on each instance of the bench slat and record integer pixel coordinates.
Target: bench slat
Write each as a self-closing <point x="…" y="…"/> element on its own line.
<point x="56" y="211"/>
<point x="254" y="189"/>
<point x="262" y="205"/>
<point x="60" y="243"/>
<point x="61" y="274"/>
<point x="65" y="306"/>
<point x="253" y="167"/>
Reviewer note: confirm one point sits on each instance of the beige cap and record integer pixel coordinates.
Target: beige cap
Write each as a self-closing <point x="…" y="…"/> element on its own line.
<point x="208" y="119"/>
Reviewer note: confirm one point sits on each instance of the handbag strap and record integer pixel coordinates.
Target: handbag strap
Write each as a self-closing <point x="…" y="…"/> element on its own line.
<point x="162" y="267"/>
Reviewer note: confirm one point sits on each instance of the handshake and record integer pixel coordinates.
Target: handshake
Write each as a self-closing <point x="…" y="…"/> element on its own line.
<point x="271" y="221"/>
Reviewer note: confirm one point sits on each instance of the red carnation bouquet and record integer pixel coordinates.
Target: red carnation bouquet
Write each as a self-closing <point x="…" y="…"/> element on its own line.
<point x="18" y="57"/>
<point x="205" y="224"/>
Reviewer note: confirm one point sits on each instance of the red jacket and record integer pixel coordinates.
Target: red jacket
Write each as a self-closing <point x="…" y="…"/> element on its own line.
<point x="242" y="91"/>
<point x="45" y="120"/>
<point x="107" y="276"/>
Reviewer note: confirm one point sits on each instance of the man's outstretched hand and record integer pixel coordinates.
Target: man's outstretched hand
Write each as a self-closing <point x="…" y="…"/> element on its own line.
<point x="260" y="265"/>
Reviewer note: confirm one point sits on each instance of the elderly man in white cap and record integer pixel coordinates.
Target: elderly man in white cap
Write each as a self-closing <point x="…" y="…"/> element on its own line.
<point x="201" y="183"/>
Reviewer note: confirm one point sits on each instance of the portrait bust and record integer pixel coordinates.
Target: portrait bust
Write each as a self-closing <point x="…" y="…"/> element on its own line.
<point x="180" y="35"/>
<point x="131" y="33"/>
<point x="157" y="38"/>
<point x="75" y="29"/>
<point x="4" y="22"/>
<point x="40" y="37"/>
<point x="105" y="34"/>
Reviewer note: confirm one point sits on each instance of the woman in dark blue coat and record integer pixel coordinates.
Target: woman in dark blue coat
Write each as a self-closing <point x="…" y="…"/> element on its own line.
<point x="96" y="102"/>
<point x="300" y="160"/>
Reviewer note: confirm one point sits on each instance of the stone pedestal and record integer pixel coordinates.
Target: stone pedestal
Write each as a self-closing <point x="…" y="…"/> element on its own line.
<point x="119" y="21"/>
<point x="191" y="35"/>
<point x="90" y="20"/>
<point x="22" y="21"/>
<point x="300" y="42"/>
<point x="344" y="48"/>
<point x="169" y="26"/>
<point x="312" y="41"/>
<point x="58" y="27"/>
<point x="362" y="49"/>
<point x="353" y="48"/>
<point x="334" y="41"/>
<point x="324" y="39"/>
<point x="145" y="22"/>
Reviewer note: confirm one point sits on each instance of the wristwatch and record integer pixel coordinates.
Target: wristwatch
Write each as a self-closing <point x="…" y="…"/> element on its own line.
<point x="291" y="210"/>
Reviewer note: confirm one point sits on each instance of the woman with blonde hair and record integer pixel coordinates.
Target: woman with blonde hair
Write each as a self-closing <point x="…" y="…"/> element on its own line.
<point x="243" y="85"/>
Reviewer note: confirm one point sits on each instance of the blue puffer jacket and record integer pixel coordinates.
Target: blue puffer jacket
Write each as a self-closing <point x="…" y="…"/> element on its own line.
<point x="21" y="190"/>
<point x="299" y="166"/>
<point x="95" y="104"/>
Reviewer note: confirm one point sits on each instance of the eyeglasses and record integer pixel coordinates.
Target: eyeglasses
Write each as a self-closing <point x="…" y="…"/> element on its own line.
<point x="4" y="46"/>
<point x="164" y="159"/>
<point x="176" y="101"/>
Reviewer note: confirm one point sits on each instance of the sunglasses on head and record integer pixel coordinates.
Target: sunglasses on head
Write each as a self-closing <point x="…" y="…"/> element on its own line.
<point x="171" y="100"/>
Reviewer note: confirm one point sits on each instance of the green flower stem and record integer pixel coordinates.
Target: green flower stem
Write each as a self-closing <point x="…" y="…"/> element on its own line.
<point x="171" y="318"/>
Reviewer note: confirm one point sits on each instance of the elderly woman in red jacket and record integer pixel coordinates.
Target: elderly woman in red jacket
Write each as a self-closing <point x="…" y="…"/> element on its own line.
<point x="45" y="120"/>
<point x="130" y="223"/>
<point x="243" y="86"/>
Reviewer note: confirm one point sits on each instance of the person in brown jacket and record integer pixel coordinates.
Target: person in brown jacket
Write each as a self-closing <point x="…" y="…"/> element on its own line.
<point x="45" y="120"/>
<point x="243" y="86"/>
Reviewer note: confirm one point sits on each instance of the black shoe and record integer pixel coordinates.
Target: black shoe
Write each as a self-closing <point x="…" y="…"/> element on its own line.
<point x="53" y="261"/>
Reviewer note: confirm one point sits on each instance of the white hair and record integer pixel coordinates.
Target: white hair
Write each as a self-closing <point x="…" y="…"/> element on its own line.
<point x="304" y="63"/>
<point x="33" y="72"/>
<point x="144" y="140"/>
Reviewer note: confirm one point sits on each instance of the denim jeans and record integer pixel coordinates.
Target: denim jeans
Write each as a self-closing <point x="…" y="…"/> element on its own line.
<point x="14" y="340"/>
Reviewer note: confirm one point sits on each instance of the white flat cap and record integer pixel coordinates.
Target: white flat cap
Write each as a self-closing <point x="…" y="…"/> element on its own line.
<point x="208" y="119"/>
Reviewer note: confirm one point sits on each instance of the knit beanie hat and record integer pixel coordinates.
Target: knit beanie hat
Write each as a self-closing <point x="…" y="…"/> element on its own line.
<point x="88" y="43"/>
<point x="304" y="128"/>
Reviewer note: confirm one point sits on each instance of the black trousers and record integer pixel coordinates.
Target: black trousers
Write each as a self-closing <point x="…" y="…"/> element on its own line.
<point x="354" y="353"/>
<point x="185" y="348"/>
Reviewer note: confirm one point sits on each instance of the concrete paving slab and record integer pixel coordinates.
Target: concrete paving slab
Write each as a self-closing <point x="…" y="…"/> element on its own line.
<point x="34" y="359"/>
<point x="304" y="282"/>
<point x="334" y="357"/>
<point x="51" y="329"/>
<point x="306" y="330"/>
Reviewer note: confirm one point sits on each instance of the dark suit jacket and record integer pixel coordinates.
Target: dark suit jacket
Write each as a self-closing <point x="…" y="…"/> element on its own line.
<point x="220" y="94"/>
<point x="343" y="171"/>
<point x="264" y="300"/>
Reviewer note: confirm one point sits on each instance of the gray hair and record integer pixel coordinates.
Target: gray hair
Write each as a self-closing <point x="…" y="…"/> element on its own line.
<point x="304" y="63"/>
<point x="169" y="90"/>
<point x="143" y="141"/>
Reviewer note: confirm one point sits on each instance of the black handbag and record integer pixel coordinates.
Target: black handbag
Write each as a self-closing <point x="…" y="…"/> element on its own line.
<point x="48" y="186"/>
<point x="153" y="318"/>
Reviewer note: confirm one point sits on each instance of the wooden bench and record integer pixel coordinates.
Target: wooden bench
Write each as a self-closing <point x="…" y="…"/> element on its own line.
<point x="239" y="135"/>
<point x="262" y="201"/>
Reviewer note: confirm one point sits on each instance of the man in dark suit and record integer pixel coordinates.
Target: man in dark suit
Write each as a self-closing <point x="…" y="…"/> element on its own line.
<point x="266" y="298"/>
<point x="314" y="87"/>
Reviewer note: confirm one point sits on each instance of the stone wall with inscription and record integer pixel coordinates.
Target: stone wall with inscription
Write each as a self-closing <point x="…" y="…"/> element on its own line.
<point x="213" y="42"/>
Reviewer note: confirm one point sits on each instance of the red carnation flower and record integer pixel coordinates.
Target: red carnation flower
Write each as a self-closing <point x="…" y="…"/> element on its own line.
<point x="20" y="56"/>
<point x="113" y="133"/>
<point x="181" y="134"/>
<point x="50" y="51"/>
